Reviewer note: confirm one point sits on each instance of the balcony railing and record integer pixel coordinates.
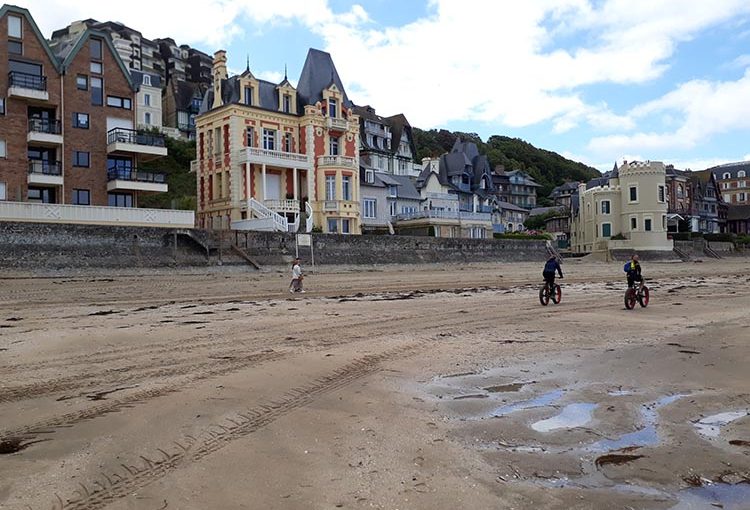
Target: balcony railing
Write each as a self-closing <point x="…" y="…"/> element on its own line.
<point x="338" y="161"/>
<point x="131" y="136"/>
<point x="45" y="167"/>
<point x="338" y="124"/>
<point x="46" y="126"/>
<point x="266" y="153"/>
<point x="27" y="81"/>
<point x="133" y="175"/>
<point x="330" y="205"/>
<point x="283" y="206"/>
<point x="445" y="215"/>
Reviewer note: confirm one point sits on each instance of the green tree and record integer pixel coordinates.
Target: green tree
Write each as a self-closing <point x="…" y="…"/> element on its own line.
<point x="182" y="188"/>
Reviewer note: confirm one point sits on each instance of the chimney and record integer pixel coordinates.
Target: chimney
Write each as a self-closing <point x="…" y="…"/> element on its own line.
<point x="219" y="73"/>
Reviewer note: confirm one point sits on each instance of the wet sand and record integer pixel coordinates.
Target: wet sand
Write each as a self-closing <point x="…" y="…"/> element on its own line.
<point x="434" y="387"/>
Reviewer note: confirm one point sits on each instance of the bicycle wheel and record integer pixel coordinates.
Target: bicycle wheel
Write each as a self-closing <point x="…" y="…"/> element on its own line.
<point x="630" y="298"/>
<point x="557" y="296"/>
<point x="544" y="295"/>
<point x="643" y="297"/>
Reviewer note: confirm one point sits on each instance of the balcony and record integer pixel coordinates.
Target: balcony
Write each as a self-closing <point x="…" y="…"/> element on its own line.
<point x="330" y="205"/>
<point x="27" y="86"/>
<point x="283" y="206"/>
<point x="45" y="132"/>
<point x="444" y="215"/>
<point x="130" y="179"/>
<point x="281" y="159"/>
<point x="45" y="173"/>
<point x="121" y="140"/>
<point x="337" y="124"/>
<point x="337" y="161"/>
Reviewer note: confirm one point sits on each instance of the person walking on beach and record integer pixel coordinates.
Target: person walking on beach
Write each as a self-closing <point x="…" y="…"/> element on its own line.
<point x="296" y="285"/>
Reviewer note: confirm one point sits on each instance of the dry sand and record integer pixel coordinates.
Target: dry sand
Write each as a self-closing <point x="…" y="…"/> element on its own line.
<point x="434" y="387"/>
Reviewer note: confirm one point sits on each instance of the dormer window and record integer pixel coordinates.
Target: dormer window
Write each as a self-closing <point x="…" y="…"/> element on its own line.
<point x="369" y="176"/>
<point x="147" y="80"/>
<point x="332" y="108"/>
<point x="286" y="103"/>
<point x="741" y="173"/>
<point x="249" y="96"/>
<point x="726" y="175"/>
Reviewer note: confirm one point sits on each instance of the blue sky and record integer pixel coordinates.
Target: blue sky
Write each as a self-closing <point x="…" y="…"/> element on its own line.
<point x="597" y="81"/>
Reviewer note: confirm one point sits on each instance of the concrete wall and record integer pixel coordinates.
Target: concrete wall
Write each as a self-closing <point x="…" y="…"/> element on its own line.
<point x="38" y="246"/>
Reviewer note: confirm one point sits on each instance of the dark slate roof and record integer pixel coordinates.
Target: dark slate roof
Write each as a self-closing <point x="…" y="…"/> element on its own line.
<point x="389" y="180"/>
<point x="510" y="207"/>
<point x="598" y="181"/>
<point x="544" y="210"/>
<point x="732" y="169"/>
<point x="138" y="78"/>
<point x="318" y="73"/>
<point x="574" y="203"/>
<point x="527" y="180"/>
<point x="406" y="187"/>
<point x="184" y="91"/>
<point x="568" y="186"/>
<point x="615" y="173"/>
<point x="738" y="212"/>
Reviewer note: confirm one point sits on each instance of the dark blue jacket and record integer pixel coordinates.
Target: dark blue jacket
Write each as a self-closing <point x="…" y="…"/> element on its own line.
<point x="551" y="266"/>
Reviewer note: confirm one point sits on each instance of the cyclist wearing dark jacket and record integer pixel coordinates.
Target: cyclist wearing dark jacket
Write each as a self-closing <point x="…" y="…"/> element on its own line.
<point x="633" y="270"/>
<point x="550" y="267"/>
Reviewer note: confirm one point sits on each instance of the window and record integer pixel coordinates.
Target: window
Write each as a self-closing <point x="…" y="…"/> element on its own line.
<point x="727" y="197"/>
<point x="742" y="197"/>
<point x="726" y="175"/>
<point x="725" y="185"/>
<point x="369" y="176"/>
<point x="14" y="27"/>
<point x="287" y="103"/>
<point x="288" y="142"/>
<point x="680" y="191"/>
<point x="392" y="191"/>
<point x="96" y="49"/>
<point x="346" y="185"/>
<point x="42" y="195"/>
<point x="217" y="141"/>
<point x="606" y="207"/>
<point x="2" y="106"/>
<point x="147" y="118"/>
<point x="95" y="67"/>
<point x="345" y="226"/>
<point x="269" y="139"/>
<point x="97" y="94"/>
<point x="633" y="223"/>
<point x="633" y="193"/>
<point x="333" y="225"/>
<point x="606" y="230"/>
<point x="82" y="82"/>
<point x="370" y="206"/>
<point x="147" y="80"/>
<point x="332" y="107"/>
<point x="393" y="208"/>
<point x="81" y="120"/>
<point x="3" y="195"/>
<point x="147" y="99"/>
<point x="81" y="197"/>
<point x="249" y="96"/>
<point x="250" y="137"/>
<point x="81" y="159"/>
<point x="741" y="174"/>
<point x="333" y="146"/>
<point x="330" y="187"/>
<point x="119" y="102"/>
<point x="120" y="200"/>
<point x="3" y="153"/>
<point x="661" y="194"/>
<point x="15" y="47"/>
<point x="647" y="224"/>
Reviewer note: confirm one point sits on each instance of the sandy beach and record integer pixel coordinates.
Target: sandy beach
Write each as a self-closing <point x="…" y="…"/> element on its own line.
<point x="425" y="387"/>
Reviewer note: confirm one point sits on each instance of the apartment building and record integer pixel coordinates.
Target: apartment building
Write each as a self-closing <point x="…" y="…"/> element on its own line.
<point x="734" y="182"/>
<point x="275" y="157"/>
<point x="67" y="132"/>
<point x="386" y="143"/>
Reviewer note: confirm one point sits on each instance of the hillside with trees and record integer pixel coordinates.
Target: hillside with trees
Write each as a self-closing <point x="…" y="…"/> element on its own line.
<point x="546" y="167"/>
<point x="182" y="189"/>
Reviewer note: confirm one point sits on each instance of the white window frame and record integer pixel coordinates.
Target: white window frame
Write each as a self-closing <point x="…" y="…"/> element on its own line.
<point x="147" y="99"/>
<point x="250" y="136"/>
<point x="20" y="27"/>
<point x="3" y="149"/>
<point x="630" y="189"/>
<point x="269" y="135"/>
<point x="661" y="194"/>
<point x="147" y="80"/>
<point x="330" y="187"/>
<point x="369" y="176"/>
<point x="726" y="175"/>
<point x="370" y="208"/>
<point x="741" y="174"/>
<point x="333" y="146"/>
<point x="346" y="187"/>
<point x="742" y="197"/>
<point x="335" y="109"/>
<point x="632" y="228"/>
<point x="346" y="226"/>
<point x="393" y="207"/>
<point x="3" y="191"/>
<point x="609" y="206"/>
<point x="147" y="118"/>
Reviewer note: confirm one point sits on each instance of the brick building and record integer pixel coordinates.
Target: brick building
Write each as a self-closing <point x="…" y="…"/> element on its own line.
<point x="67" y="120"/>
<point x="734" y="182"/>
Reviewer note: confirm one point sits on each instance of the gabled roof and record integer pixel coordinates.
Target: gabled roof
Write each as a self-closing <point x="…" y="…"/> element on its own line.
<point x="568" y="186"/>
<point x="68" y="49"/>
<point x="20" y="11"/>
<point x="510" y="207"/>
<point x="318" y="73"/>
<point x="406" y="187"/>
<point x="544" y="210"/>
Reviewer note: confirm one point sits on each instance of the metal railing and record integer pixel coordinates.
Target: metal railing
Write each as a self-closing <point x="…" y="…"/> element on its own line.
<point x="132" y="174"/>
<point x="446" y="215"/>
<point x="45" y="167"/>
<point x="339" y="161"/>
<point x="46" y="126"/>
<point x="27" y="81"/>
<point x="131" y="136"/>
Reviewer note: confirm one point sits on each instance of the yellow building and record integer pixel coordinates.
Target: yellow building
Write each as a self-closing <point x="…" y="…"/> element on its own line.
<point x="625" y="209"/>
<point x="272" y="157"/>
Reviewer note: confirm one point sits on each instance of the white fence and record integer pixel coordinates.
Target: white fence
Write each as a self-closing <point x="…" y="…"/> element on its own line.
<point x="95" y="215"/>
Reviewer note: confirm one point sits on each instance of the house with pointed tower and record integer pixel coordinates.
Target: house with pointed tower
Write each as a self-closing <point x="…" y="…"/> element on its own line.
<point x="278" y="158"/>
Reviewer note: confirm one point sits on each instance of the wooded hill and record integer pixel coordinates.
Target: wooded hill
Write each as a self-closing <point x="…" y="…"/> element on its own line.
<point x="546" y="167"/>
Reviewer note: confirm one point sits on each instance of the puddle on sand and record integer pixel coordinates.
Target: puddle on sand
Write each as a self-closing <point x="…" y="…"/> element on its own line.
<point x="726" y="496"/>
<point x="645" y="436"/>
<point x="710" y="426"/>
<point x="540" y="401"/>
<point x="505" y="388"/>
<point x="572" y="416"/>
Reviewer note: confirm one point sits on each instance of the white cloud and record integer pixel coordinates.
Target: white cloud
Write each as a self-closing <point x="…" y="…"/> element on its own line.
<point x="705" y="108"/>
<point x="741" y="62"/>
